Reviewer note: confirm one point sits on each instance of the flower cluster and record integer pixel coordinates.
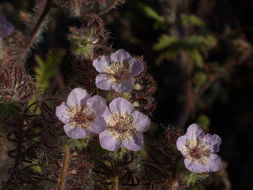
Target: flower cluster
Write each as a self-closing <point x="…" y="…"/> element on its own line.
<point x="119" y="125"/>
<point x="199" y="150"/>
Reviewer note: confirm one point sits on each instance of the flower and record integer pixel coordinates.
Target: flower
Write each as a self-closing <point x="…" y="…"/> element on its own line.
<point x="6" y="29"/>
<point x="117" y="71"/>
<point x="81" y="114"/>
<point x="199" y="150"/>
<point x="124" y="126"/>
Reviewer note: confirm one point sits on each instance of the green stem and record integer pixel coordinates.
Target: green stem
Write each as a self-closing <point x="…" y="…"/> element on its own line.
<point x="173" y="185"/>
<point x="64" y="170"/>
<point x="116" y="182"/>
<point x="116" y="174"/>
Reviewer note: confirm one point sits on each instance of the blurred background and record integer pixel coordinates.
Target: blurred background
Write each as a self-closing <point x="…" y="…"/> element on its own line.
<point x="200" y="54"/>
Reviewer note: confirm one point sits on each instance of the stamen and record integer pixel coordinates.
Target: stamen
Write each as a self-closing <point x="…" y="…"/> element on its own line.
<point x="197" y="150"/>
<point x="121" y="125"/>
<point x="81" y="116"/>
<point x="118" y="72"/>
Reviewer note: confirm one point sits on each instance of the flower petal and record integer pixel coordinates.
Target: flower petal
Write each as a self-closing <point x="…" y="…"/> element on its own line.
<point x="101" y="63"/>
<point x="135" y="66"/>
<point x="213" y="142"/>
<point x="141" y="121"/>
<point x="103" y="83"/>
<point x="108" y="141"/>
<point x="98" y="125"/>
<point x="181" y="144"/>
<point x="194" y="166"/>
<point x="121" y="105"/>
<point x="97" y="103"/>
<point x="75" y="132"/>
<point x="106" y="114"/>
<point x="194" y="131"/>
<point x="134" y="143"/>
<point x="124" y="86"/>
<point x="77" y="96"/>
<point x="62" y="113"/>
<point x="120" y="56"/>
<point x="212" y="164"/>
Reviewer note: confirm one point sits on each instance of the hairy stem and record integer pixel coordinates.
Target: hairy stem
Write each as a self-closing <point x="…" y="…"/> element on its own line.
<point x="43" y="11"/>
<point x="64" y="170"/>
<point x="189" y="96"/>
<point x="19" y="137"/>
<point x="102" y="11"/>
<point x="173" y="185"/>
<point x="116" y="182"/>
<point x="116" y="175"/>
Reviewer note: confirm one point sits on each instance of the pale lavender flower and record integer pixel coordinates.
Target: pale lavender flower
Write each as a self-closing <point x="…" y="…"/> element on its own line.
<point x="125" y="126"/>
<point x="6" y="28"/>
<point x="81" y="114"/>
<point x="117" y="71"/>
<point x="199" y="150"/>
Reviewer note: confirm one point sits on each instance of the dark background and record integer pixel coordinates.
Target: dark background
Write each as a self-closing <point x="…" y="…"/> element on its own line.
<point x="230" y="112"/>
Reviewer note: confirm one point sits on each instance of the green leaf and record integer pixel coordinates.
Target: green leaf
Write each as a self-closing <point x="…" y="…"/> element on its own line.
<point x="164" y="42"/>
<point x="9" y="108"/>
<point x="204" y="122"/>
<point x="202" y="42"/>
<point x="152" y="13"/>
<point x="47" y="69"/>
<point x="192" y="178"/>
<point x="191" y="20"/>
<point x="200" y="78"/>
<point x="211" y="41"/>
<point x="196" y="57"/>
<point x="167" y="56"/>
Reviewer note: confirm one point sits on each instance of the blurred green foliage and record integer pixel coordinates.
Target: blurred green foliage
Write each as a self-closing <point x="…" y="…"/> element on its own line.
<point x="193" y="178"/>
<point x="9" y="108"/>
<point x="151" y="13"/>
<point x="47" y="69"/>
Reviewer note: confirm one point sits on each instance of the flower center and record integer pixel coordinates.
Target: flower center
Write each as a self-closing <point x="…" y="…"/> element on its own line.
<point x="121" y="125"/>
<point x="118" y="72"/>
<point x="81" y="116"/>
<point x="197" y="150"/>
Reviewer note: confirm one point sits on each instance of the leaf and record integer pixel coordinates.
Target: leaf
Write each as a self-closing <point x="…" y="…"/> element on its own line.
<point x="204" y="122"/>
<point x="196" y="57"/>
<point x="47" y="69"/>
<point x="191" y="20"/>
<point x="164" y="42"/>
<point x="9" y="108"/>
<point x="195" y="41"/>
<point x="193" y="178"/>
<point x="200" y="78"/>
<point x="167" y="56"/>
<point x="152" y="13"/>
<point x="210" y="41"/>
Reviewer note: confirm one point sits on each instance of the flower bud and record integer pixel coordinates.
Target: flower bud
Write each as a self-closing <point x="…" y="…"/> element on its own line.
<point x="15" y="84"/>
